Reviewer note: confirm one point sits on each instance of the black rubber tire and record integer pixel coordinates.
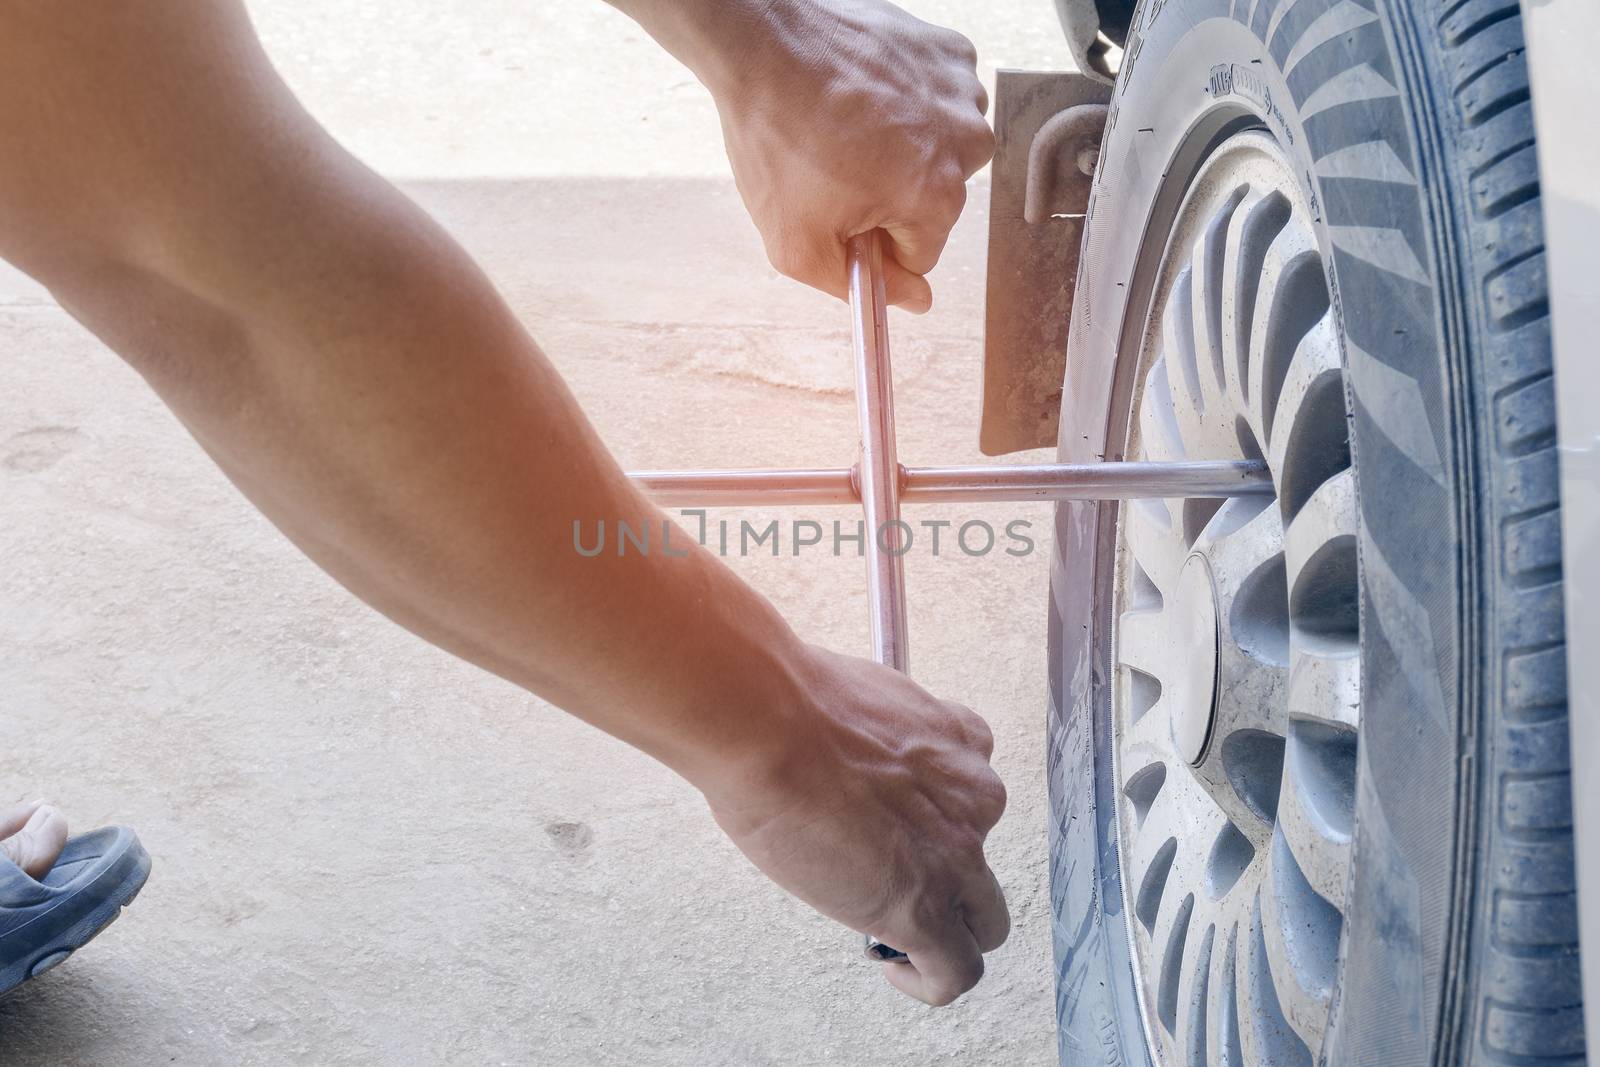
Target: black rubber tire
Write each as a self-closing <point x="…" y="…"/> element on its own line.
<point x="1460" y="938"/>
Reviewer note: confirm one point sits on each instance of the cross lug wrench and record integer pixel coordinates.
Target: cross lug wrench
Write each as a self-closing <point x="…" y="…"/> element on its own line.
<point x="879" y="484"/>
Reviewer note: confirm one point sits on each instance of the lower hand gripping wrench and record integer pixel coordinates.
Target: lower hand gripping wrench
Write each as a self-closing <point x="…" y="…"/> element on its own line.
<point x="879" y="483"/>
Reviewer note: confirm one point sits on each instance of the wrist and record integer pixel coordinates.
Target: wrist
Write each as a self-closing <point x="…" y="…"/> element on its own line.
<point x="758" y="715"/>
<point x="718" y="40"/>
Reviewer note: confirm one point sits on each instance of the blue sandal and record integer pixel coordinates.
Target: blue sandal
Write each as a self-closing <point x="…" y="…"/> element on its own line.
<point x="43" y="922"/>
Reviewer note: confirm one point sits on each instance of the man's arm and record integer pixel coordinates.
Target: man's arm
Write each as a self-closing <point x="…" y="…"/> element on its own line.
<point x="354" y="373"/>
<point x="840" y="117"/>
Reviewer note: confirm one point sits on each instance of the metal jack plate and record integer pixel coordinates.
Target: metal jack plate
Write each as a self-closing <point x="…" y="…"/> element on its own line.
<point x="879" y="484"/>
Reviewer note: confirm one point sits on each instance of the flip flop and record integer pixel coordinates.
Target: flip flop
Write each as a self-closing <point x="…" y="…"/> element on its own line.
<point x="43" y="922"/>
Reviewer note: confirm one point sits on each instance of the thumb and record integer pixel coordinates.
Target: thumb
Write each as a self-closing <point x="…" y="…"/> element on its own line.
<point x="904" y="289"/>
<point x="919" y="244"/>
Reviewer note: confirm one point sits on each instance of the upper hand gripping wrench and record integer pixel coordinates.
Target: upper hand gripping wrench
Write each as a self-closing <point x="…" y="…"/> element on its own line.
<point x="880" y="484"/>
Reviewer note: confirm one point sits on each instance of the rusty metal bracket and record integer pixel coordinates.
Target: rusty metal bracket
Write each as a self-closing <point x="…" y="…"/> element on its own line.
<point x="1061" y="164"/>
<point x="1047" y="127"/>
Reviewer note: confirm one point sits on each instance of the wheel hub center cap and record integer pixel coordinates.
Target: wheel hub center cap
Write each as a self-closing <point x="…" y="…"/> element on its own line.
<point x="1194" y="640"/>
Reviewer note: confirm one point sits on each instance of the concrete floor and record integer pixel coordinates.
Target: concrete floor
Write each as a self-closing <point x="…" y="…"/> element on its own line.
<point x="370" y="853"/>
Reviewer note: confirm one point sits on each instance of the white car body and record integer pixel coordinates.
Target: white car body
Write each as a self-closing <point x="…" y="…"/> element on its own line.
<point x="1562" y="37"/>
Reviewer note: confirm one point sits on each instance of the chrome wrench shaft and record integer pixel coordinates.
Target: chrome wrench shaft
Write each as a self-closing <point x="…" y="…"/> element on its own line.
<point x="878" y="474"/>
<point x="961" y="485"/>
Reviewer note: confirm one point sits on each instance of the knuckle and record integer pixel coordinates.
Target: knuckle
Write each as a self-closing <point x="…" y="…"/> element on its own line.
<point x="984" y="141"/>
<point x="984" y="734"/>
<point x="976" y="144"/>
<point x="991" y="801"/>
<point x="961" y="46"/>
<point x="975" y="728"/>
<point x="955" y="197"/>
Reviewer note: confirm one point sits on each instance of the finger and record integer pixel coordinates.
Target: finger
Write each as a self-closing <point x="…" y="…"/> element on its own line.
<point x="819" y="263"/>
<point x="917" y="245"/>
<point x="979" y="734"/>
<point x="36" y="846"/>
<point x="16" y="817"/>
<point x="903" y="289"/>
<point x="940" y="972"/>
<point x="983" y="906"/>
<point x="978" y="149"/>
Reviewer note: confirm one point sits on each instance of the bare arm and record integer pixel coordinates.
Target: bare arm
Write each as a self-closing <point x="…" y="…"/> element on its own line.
<point x="359" y="379"/>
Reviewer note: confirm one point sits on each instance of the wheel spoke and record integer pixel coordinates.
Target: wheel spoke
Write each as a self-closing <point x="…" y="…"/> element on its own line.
<point x="1194" y="986"/>
<point x="1313" y="817"/>
<point x="1300" y="934"/>
<point x="1252" y="646"/>
<point x="1155" y="540"/>
<point x="1292" y="298"/>
<point x="1158" y="425"/>
<point x="1154" y="839"/>
<point x="1207" y="272"/>
<point x="1265" y="1033"/>
<point x="1325" y="687"/>
<point x="1248" y="966"/>
<point x="1163" y="859"/>
<point x="1328" y="515"/>
<point x="1316" y="355"/>
<point x="1189" y="373"/>
<point x="1242" y="536"/>
<point x="1150" y="736"/>
<point x="1174" y="937"/>
<point x="1252" y="688"/>
<point x="1255" y="225"/>
<point x="1223" y="1045"/>
<point x="1142" y="642"/>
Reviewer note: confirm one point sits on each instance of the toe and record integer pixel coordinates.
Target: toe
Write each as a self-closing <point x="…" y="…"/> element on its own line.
<point x="37" y="844"/>
<point x="16" y="817"/>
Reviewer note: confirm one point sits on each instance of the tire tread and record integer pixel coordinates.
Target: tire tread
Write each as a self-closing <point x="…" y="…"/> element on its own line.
<point x="1527" y="1005"/>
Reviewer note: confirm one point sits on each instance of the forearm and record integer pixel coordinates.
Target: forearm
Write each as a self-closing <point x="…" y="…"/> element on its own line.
<point x="358" y="377"/>
<point x="411" y="438"/>
<point x="713" y="38"/>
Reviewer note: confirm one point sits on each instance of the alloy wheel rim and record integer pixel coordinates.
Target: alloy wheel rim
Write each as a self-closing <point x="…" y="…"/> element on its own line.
<point x="1236" y="696"/>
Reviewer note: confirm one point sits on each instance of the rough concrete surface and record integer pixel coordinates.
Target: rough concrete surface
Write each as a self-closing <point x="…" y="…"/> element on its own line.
<point x="370" y="853"/>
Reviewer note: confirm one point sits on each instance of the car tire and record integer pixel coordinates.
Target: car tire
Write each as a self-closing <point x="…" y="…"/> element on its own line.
<point x="1410" y="128"/>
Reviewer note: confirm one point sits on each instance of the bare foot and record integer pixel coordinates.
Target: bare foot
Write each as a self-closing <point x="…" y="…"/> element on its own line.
<point x="32" y="835"/>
